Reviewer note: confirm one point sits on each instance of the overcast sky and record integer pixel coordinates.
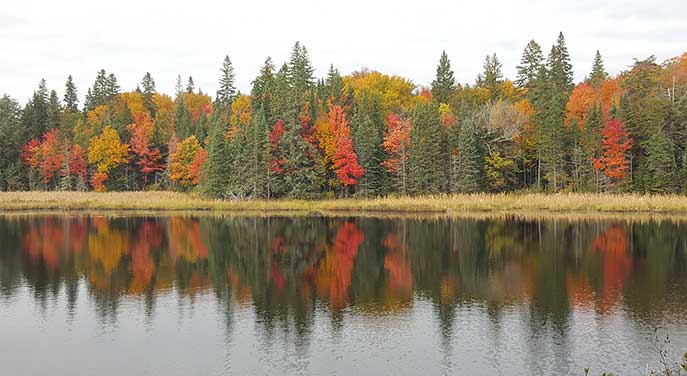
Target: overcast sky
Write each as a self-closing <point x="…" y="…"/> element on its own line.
<point x="52" y="39"/>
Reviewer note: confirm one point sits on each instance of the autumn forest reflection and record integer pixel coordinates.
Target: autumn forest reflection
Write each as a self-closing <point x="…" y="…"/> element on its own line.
<point x="287" y="269"/>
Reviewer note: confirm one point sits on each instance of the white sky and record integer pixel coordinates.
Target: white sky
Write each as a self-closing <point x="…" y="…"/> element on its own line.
<point x="52" y="39"/>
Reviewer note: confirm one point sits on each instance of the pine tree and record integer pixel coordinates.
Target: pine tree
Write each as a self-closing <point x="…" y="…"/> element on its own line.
<point x="492" y="78"/>
<point x="71" y="99"/>
<point x="332" y="87"/>
<point x="148" y="84"/>
<point x="178" y="88"/>
<point x="530" y="65"/>
<point x="470" y="160"/>
<point x="303" y="170"/>
<point x="262" y="88"/>
<point x="217" y="170"/>
<point x="367" y="142"/>
<point x="227" y="90"/>
<point x="190" y="86"/>
<point x="425" y="161"/>
<point x="659" y="170"/>
<point x="444" y="84"/>
<point x="560" y="72"/>
<point x="598" y="74"/>
<point x="300" y="73"/>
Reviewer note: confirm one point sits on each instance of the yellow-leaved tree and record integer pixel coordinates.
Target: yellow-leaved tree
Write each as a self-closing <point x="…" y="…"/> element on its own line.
<point x="106" y="151"/>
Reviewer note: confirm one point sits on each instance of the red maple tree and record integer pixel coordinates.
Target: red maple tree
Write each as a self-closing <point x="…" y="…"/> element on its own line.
<point x="616" y="143"/>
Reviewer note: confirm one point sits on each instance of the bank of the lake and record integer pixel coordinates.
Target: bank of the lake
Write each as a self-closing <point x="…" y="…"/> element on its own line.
<point x="445" y="204"/>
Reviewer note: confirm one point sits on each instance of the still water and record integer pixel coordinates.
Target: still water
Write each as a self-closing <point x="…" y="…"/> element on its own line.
<point x="95" y="294"/>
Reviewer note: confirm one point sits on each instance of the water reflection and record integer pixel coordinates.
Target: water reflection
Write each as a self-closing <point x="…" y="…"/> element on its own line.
<point x="499" y="281"/>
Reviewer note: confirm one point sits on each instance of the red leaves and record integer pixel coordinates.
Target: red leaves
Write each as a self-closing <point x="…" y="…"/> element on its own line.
<point x="77" y="162"/>
<point x="148" y="158"/>
<point x="44" y="155"/>
<point x="616" y="143"/>
<point x="396" y="142"/>
<point x="345" y="160"/>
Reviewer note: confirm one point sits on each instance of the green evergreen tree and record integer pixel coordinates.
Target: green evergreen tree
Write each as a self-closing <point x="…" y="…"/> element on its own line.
<point x="425" y="175"/>
<point x="190" y="86"/>
<point x="71" y="99"/>
<point x="492" y="78"/>
<point x="598" y="74"/>
<point x="300" y="74"/>
<point x="217" y="170"/>
<point x="530" y="64"/>
<point x="659" y="168"/>
<point x="469" y="174"/>
<point x="227" y="89"/>
<point x="367" y="143"/>
<point x="262" y="88"/>
<point x="444" y="84"/>
<point x="304" y="173"/>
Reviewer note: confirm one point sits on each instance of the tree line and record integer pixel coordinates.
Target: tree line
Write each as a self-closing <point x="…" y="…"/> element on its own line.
<point x="365" y="134"/>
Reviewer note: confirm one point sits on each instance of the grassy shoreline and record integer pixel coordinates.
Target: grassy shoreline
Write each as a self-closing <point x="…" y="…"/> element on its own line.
<point x="445" y="204"/>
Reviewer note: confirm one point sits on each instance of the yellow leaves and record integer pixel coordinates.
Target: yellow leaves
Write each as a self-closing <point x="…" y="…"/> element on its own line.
<point x="107" y="150"/>
<point x="240" y="111"/>
<point x="187" y="161"/>
<point x="393" y="92"/>
<point x="164" y="117"/>
<point x="324" y="133"/>
<point x="98" y="117"/>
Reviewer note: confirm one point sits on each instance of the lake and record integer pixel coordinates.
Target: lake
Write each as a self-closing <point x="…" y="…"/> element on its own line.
<point x="112" y="294"/>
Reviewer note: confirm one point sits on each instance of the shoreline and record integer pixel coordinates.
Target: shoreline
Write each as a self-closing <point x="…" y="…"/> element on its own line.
<point x="445" y="205"/>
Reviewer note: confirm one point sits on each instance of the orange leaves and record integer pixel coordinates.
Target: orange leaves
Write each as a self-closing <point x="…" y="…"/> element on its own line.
<point x="187" y="161"/>
<point x="616" y="143"/>
<point x="44" y="155"/>
<point x="148" y="157"/>
<point x="333" y="135"/>
<point x="582" y="98"/>
<point x="396" y="142"/>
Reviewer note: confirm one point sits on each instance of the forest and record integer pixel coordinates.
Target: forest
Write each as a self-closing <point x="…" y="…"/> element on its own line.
<point x="367" y="134"/>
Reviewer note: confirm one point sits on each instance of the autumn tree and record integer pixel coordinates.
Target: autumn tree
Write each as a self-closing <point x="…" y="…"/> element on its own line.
<point x="107" y="152"/>
<point x="397" y="145"/>
<point x="187" y="161"/>
<point x="614" y="152"/>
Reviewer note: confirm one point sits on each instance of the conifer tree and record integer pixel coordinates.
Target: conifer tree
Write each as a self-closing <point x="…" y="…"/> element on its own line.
<point x="444" y="84"/>
<point x="227" y="89"/>
<point x="425" y="161"/>
<point x="530" y="65"/>
<point x="190" y="86"/>
<point x="469" y="176"/>
<point x="217" y="170"/>
<point x="262" y="88"/>
<point x="598" y="74"/>
<point x="367" y="142"/>
<point x="492" y="77"/>
<point x="300" y="73"/>
<point x="71" y="99"/>
<point x="659" y="163"/>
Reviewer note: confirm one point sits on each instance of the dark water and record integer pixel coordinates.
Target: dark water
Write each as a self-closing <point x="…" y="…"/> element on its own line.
<point x="184" y="295"/>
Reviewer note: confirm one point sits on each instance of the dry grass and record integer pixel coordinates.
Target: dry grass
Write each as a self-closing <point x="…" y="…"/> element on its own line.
<point x="444" y="204"/>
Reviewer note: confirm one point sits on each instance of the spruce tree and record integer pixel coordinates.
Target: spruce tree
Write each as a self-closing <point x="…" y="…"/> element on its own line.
<point x="659" y="165"/>
<point x="262" y="88"/>
<point x="300" y="73"/>
<point x="425" y="161"/>
<point x="598" y="74"/>
<point x="492" y="78"/>
<point x="71" y="99"/>
<point x="367" y="143"/>
<point x="227" y="89"/>
<point x="469" y="175"/>
<point x="190" y="86"/>
<point x="530" y="64"/>
<point x="303" y="171"/>
<point x="148" y="84"/>
<point x="217" y="170"/>
<point x="444" y="84"/>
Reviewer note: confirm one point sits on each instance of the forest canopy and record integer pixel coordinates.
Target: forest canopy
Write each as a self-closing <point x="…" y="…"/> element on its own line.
<point x="366" y="134"/>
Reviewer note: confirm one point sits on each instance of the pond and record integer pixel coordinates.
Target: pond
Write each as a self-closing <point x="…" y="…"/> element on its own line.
<point x="141" y="294"/>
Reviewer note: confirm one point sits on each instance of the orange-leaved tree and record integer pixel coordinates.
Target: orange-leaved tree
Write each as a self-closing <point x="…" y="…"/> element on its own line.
<point x="614" y="148"/>
<point x="187" y="161"/>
